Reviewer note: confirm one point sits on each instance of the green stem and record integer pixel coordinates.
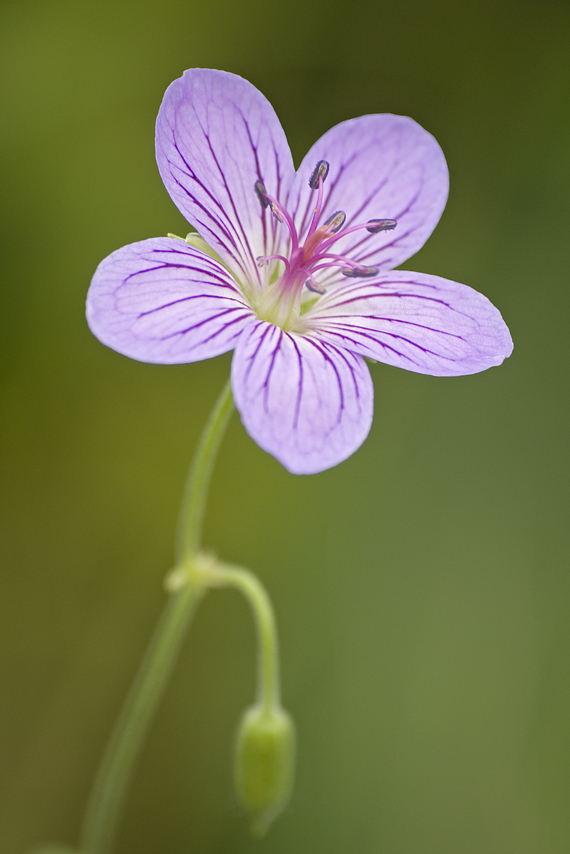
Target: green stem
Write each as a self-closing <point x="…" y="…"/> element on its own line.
<point x="114" y="774"/>
<point x="196" y="490"/>
<point x="226" y="574"/>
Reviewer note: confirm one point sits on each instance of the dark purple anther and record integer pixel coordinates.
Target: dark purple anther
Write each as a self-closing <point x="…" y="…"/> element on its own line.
<point x="377" y="225"/>
<point x="259" y="188"/>
<point x="315" y="287"/>
<point x="335" y="222"/>
<point x="359" y="272"/>
<point x="321" y="170"/>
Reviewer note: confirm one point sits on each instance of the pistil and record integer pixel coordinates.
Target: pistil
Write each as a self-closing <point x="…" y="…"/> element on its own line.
<point x="330" y="227"/>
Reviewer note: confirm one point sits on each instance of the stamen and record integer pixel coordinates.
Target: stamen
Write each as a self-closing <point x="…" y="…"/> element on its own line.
<point x="328" y="256"/>
<point x="373" y="226"/>
<point x="262" y="260"/>
<point x="259" y="188"/>
<point x="321" y="171"/>
<point x="317" y="181"/>
<point x="315" y="287"/>
<point x="280" y="215"/>
<point x="275" y="211"/>
<point x="266" y="201"/>
<point x="335" y="222"/>
<point x="359" y="272"/>
<point x="301" y="264"/>
<point x="377" y="225"/>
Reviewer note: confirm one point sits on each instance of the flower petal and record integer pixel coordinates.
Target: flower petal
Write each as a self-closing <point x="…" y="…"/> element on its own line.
<point x="414" y="321"/>
<point x="302" y="400"/>
<point x="381" y="167"/>
<point x="216" y="135"/>
<point x="163" y="301"/>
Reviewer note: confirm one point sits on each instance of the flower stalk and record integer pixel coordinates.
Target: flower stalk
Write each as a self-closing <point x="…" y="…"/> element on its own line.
<point x="115" y="771"/>
<point x="266" y="742"/>
<point x="223" y="574"/>
<point x="196" y="490"/>
<point x="265" y="749"/>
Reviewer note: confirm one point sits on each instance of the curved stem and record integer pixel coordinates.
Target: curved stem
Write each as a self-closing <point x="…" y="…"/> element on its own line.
<point x="226" y="574"/>
<point x="114" y="774"/>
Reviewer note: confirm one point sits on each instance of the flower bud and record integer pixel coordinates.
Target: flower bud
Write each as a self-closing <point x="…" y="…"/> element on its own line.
<point x="264" y="765"/>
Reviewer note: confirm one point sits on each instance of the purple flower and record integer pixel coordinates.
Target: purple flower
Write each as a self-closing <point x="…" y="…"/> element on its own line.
<point x="296" y="271"/>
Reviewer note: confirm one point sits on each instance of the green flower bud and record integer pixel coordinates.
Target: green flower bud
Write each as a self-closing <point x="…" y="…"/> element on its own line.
<point x="265" y="762"/>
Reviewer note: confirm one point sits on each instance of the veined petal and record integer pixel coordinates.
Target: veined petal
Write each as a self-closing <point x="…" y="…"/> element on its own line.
<point x="163" y="301"/>
<point x="381" y="167"/>
<point x="414" y="321"/>
<point x="216" y="135"/>
<point x="304" y="401"/>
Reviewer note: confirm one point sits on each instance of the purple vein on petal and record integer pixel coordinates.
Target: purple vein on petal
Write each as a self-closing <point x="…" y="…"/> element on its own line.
<point x="336" y="331"/>
<point x="204" y="322"/>
<point x="319" y="347"/>
<point x="222" y="223"/>
<point x="267" y="331"/>
<point x="233" y="245"/>
<point x="245" y="242"/>
<point x="301" y="380"/>
<point x="200" y="271"/>
<point x="193" y="177"/>
<point x="280" y="334"/>
<point x="189" y="299"/>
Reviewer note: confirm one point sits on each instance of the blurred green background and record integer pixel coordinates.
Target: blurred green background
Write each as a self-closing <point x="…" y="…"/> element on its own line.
<point x="422" y="587"/>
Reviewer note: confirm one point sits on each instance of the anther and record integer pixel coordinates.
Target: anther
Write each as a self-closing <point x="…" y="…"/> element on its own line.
<point x="359" y="272"/>
<point x="321" y="170"/>
<point x="275" y="211"/>
<point x="335" y="222"/>
<point x="259" y="188"/>
<point x="377" y="225"/>
<point x="315" y="287"/>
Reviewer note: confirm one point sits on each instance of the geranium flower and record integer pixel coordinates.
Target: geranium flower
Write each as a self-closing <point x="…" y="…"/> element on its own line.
<point x="293" y="270"/>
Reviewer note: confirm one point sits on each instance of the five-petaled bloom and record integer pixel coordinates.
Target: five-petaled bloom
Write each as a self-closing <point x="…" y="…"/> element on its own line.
<point x="296" y="272"/>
